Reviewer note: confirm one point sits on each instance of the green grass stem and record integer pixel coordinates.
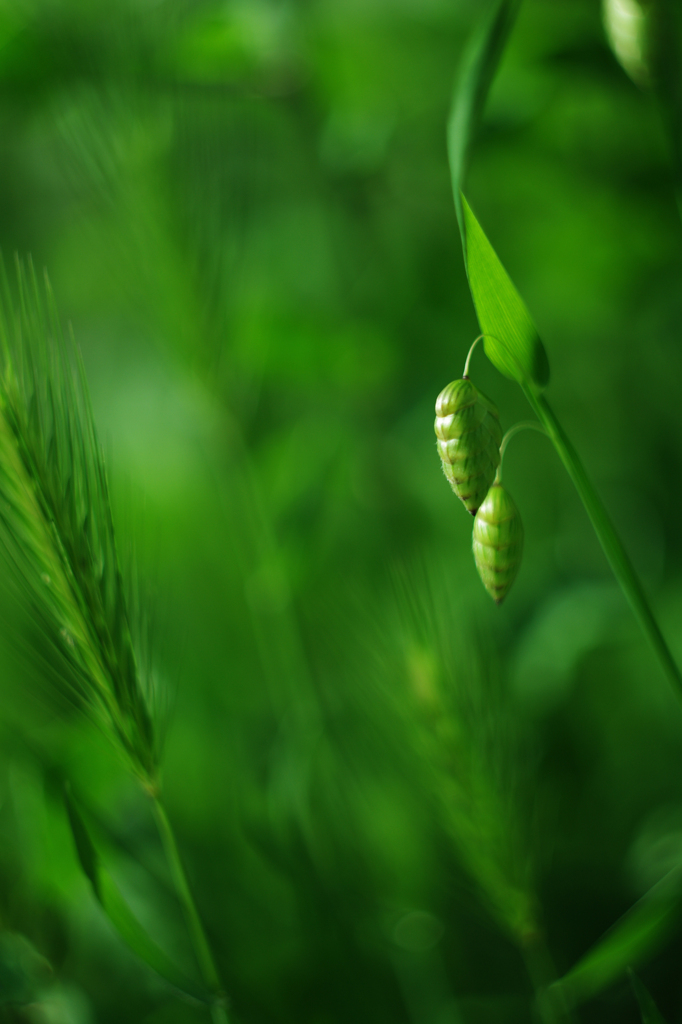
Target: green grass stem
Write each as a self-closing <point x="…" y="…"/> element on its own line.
<point x="551" y="1006"/>
<point x="200" y="943"/>
<point x="617" y="556"/>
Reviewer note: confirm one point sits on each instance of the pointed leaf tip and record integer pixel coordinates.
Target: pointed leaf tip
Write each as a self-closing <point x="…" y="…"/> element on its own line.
<point x="478" y="68"/>
<point x="85" y="850"/>
<point x="647" y="1007"/>
<point x="631" y="941"/>
<point x="118" y="911"/>
<point x="511" y="341"/>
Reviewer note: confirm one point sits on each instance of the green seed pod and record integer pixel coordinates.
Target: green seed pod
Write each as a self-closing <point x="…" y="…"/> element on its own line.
<point x="469" y="434"/>
<point x="498" y="542"/>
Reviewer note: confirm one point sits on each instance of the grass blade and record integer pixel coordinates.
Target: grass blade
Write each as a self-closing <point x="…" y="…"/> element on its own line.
<point x="23" y="973"/>
<point x="647" y="1007"/>
<point x="478" y="70"/>
<point x="119" y="913"/>
<point x="196" y="929"/>
<point x="512" y="342"/>
<point x="632" y="940"/>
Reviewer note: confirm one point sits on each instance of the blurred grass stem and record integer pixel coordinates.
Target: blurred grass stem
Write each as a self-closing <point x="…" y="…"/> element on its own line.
<point x="200" y="944"/>
<point x="542" y="973"/>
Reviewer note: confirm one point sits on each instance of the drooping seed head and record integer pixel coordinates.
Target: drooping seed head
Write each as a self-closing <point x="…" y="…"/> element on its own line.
<point x="469" y="434"/>
<point x="498" y="542"/>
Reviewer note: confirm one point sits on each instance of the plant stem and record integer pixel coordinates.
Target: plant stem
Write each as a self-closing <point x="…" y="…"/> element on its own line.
<point x="542" y="973"/>
<point x="202" y="949"/>
<point x="471" y="351"/>
<point x="616" y="554"/>
<point x="526" y="425"/>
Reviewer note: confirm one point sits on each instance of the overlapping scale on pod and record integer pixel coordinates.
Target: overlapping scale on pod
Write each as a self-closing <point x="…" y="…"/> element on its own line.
<point x="469" y="434"/>
<point x="498" y="542"/>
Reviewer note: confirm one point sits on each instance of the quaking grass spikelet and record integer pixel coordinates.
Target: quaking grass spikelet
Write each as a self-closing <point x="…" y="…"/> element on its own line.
<point x="498" y="542"/>
<point x="468" y="430"/>
<point x="498" y="529"/>
<point x="469" y="434"/>
<point x="56" y="527"/>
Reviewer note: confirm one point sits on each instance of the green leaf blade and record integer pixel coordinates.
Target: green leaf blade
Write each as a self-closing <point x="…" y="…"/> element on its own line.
<point x="479" y="65"/>
<point x="647" y="1007"/>
<point x="119" y="913"/>
<point x="512" y="342"/>
<point x="87" y="855"/>
<point x="632" y="940"/>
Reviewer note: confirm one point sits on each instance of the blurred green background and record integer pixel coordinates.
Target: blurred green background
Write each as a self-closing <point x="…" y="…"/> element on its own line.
<point x="245" y="212"/>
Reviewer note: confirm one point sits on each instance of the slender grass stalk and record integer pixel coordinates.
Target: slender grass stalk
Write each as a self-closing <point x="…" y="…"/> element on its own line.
<point x="58" y="543"/>
<point x="470" y="353"/>
<point x="613" y="548"/>
<point x="551" y="1005"/>
<point x="200" y="943"/>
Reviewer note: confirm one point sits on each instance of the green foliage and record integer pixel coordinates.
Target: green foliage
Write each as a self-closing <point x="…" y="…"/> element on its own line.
<point x="23" y="971"/>
<point x="246" y="212"/>
<point x="516" y="350"/>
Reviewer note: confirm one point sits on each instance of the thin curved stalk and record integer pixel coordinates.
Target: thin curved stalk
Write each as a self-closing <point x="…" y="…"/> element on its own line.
<point x="200" y="944"/>
<point x="618" y="558"/>
<point x="526" y="425"/>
